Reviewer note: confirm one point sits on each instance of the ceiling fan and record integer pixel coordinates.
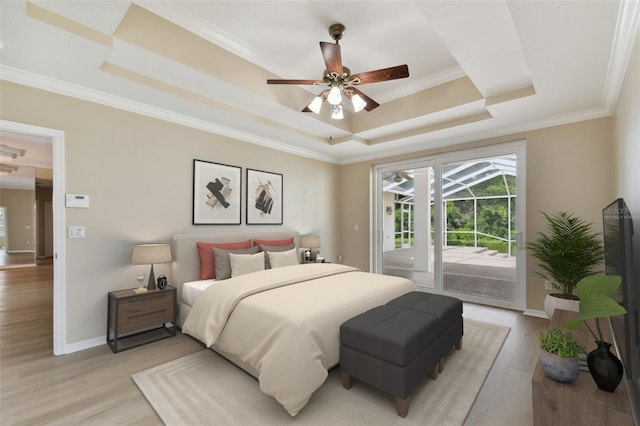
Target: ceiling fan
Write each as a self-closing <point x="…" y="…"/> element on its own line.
<point x="341" y="84"/>
<point x="401" y="176"/>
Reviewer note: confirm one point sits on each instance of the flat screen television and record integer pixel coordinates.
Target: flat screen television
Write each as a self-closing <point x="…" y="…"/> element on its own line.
<point x="621" y="260"/>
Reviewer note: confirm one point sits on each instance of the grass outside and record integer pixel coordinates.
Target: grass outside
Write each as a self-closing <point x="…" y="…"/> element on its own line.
<point x="466" y="240"/>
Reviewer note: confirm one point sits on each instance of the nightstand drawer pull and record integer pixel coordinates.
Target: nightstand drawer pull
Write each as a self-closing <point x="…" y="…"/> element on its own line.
<point x="146" y="313"/>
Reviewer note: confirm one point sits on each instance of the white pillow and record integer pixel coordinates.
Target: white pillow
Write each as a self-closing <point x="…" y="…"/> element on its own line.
<point x="283" y="258"/>
<point x="246" y="263"/>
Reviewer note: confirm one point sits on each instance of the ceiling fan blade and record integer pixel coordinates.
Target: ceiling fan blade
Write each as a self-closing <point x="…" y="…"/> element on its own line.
<point x="385" y="74"/>
<point x="332" y="57"/>
<point x="371" y="104"/>
<point x="277" y="81"/>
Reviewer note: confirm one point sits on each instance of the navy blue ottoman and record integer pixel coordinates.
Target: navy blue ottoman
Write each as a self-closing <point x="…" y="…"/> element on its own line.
<point x="395" y="346"/>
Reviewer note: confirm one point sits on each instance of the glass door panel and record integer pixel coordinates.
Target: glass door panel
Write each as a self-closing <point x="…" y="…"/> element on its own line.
<point x="408" y="249"/>
<point x="479" y="233"/>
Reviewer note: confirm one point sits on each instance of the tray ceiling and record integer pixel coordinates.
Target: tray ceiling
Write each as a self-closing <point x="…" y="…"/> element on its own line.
<point x="477" y="69"/>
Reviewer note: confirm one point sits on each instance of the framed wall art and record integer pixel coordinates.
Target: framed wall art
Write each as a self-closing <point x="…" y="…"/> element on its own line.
<point x="264" y="198"/>
<point x="216" y="193"/>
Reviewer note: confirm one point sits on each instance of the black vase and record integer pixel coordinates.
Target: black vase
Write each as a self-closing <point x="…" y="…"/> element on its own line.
<point x="605" y="368"/>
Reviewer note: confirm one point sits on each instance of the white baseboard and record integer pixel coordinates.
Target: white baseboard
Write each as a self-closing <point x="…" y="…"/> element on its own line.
<point x="85" y="344"/>
<point x="535" y="313"/>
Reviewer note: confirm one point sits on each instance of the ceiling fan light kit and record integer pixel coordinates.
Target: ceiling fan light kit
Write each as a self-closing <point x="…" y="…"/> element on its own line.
<point x="340" y="81"/>
<point x="336" y="112"/>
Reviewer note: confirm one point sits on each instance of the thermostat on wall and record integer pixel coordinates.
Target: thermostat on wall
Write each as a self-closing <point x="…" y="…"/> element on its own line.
<point x="78" y="201"/>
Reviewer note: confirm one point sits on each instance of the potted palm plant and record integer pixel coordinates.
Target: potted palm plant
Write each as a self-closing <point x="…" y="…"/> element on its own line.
<point x="595" y="293"/>
<point x="566" y="254"/>
<point x="559" y="354"/>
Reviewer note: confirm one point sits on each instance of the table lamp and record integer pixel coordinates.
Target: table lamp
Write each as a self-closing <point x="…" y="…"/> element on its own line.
<point x="310" y="242"/>
<point x="145" y="254"/>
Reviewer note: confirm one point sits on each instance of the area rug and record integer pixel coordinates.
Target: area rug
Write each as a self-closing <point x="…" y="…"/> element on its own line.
<point x="205" y="389"/>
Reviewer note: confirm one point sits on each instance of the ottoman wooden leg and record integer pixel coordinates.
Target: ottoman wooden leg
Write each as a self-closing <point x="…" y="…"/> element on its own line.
<point x="434" y="373"/>
<point x="402" y="407"/>
<point x="347" y="380"/>
<point x="459" y="344"/>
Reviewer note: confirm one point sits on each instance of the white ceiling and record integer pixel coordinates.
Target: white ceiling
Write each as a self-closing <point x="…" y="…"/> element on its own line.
<point x="33" y="167"/>
<point x="477" y="68"/>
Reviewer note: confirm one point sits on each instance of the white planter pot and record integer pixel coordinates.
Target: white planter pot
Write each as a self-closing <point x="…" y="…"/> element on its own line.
<point x="551" y="303"/>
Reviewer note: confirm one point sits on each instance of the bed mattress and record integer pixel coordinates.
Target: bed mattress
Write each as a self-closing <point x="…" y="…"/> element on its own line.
<point x="192" y="290"/>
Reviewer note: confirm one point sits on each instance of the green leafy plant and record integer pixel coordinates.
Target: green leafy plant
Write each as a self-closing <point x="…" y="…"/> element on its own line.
<point x="568" y="252"/>
<point x="595" y="293"/>
<point x="561" y="343"/>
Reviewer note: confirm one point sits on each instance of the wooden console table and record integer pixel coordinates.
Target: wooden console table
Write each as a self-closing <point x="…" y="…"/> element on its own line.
<point x="580" y="402"/>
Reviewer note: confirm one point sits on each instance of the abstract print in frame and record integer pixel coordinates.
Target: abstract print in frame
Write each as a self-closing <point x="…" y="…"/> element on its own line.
<point x="216" y="193"/>
<point x="264" y="198"/>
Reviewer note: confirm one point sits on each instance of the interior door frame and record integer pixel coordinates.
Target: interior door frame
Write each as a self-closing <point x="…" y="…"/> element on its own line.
<point x="59" y="220"/>
<point x="436" y="161"/>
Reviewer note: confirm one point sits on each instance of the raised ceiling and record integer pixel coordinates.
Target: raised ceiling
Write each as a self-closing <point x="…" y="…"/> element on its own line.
<point x="477" y="69"/>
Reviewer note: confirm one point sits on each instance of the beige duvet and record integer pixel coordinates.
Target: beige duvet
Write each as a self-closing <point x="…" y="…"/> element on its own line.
<point x="282" y="325"/>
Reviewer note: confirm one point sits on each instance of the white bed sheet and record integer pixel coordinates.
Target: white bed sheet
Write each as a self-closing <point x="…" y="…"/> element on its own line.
<point x="192" y="290"/>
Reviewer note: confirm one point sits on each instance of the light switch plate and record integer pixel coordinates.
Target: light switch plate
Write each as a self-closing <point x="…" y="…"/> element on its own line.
<point x="76" y="232"/>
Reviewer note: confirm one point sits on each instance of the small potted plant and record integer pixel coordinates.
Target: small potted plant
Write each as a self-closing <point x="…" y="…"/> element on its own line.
<point x="595" y="293"/>
<point x="566" y="254"/>
<point x="559" y="354"/>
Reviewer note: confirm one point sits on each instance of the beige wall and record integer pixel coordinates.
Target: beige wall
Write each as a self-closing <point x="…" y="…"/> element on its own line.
<point x="20" y="205"/>
<point x="626" y="130"/>
<point x="137" y="172"/>
<point x="567" y="169"/>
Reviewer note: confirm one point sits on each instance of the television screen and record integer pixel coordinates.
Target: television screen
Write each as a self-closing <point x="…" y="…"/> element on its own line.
<point x="619" y="260"/>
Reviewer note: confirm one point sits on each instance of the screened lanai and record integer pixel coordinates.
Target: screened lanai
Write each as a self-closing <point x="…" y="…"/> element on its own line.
<point x="478" y="240"/>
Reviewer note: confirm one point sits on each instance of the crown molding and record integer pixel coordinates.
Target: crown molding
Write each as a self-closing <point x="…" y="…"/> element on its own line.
<point x="626" y="29"/>
<point x="199" y="26"/>
<point x="438" y="141"/>
<point x="38" y="81"/>
<point x="22" y="77"/>
<point x="422" y="84"/>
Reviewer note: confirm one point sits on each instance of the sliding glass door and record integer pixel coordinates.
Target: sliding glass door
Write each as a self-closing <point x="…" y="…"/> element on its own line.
<point x="407" y="248"/>
<point x="479" y="231"/>
<point x="454" y="224"/>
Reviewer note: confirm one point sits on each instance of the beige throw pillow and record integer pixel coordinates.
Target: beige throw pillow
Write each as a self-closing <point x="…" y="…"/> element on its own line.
<point x="283" y="258"/>
<point x="246" y="263"/>
<point x="222" y="263"/>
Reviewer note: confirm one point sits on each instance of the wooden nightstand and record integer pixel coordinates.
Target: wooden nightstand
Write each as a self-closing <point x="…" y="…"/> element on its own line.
<point x="138" y="319"/>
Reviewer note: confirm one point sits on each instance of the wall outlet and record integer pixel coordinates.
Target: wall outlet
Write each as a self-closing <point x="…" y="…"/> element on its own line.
<point x="548" y="285"/>
<point x="339" y="259"/>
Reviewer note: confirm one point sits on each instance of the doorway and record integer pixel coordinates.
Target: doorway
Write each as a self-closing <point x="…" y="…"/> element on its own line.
<point x="454" y="224"/>
<point x="56" y="140"/>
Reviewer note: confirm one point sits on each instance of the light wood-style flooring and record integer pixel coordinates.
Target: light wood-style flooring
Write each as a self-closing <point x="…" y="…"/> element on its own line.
<point x="94" y="387"/>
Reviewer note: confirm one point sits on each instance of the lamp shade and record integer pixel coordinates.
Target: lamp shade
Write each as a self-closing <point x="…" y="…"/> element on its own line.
<point x="310" y="241"/>
<point x="358" y="103"/>
<point x="145" y="254"/>
<point x="316" y="104"/>
<point x="337" y="112"/>
<point x="335" y="96"/>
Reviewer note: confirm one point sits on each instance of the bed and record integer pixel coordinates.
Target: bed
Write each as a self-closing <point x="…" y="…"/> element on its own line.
<point x="280" y="325"/>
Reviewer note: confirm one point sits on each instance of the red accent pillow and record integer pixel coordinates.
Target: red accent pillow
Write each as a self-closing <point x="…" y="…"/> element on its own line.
<point x="284" y="242"/>
<point x="205" y="252"/>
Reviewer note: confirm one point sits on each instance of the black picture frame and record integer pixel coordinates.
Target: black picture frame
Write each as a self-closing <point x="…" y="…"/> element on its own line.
<point x="264" y="201"/>
<point x="216" y="193"/>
